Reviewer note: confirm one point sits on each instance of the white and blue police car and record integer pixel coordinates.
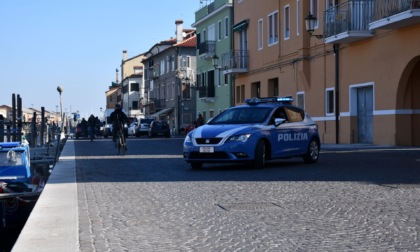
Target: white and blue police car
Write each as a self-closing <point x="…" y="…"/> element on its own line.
<point x="259" y="130"/>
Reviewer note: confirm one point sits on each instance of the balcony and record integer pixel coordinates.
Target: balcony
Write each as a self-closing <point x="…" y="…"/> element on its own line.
<point x="235" y="62"/>
<point x="208" y="9"/>
<point x="395" y="14"/>
<point x="207" y="49"/>
<point x="348" y="22"/>
<point x="206" y="93"/>
<point x="152" y="73"/>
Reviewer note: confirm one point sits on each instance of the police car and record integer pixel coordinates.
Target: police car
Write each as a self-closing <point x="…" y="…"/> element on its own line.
<point x="257" y="131"/>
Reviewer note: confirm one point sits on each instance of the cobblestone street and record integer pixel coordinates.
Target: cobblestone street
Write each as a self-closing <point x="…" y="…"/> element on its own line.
<point x="154" y="201"/>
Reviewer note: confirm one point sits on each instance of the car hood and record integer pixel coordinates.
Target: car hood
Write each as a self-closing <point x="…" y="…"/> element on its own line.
<point x="222" y="131"/>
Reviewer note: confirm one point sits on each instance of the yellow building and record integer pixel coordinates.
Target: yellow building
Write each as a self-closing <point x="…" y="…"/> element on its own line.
<point x="357" y="74"/>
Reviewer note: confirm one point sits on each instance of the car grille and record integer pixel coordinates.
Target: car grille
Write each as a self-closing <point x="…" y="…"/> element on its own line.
<point x="208" y="140"/>
<point x="215" y="155"/>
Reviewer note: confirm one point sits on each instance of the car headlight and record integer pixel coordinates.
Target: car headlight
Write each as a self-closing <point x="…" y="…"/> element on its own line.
<point x="239" y="138"/>
<point x="187" y="139"/>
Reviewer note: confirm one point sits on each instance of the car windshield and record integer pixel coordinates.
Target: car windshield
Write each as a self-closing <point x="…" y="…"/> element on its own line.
<point x="160" y="124"/>
<point x="242" y="115"/>
<point x="11" y="160"/>
<point x="146" y="121"/>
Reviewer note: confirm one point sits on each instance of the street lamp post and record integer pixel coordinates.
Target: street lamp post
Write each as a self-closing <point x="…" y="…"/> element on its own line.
<point x="60" y="90"/>
<point x="310" y="22"/>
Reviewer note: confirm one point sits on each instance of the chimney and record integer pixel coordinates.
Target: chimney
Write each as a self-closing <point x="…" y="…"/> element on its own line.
<point x="116" y="75"/>
<point x="124" y="55"/>
<point x="179" y="29"/>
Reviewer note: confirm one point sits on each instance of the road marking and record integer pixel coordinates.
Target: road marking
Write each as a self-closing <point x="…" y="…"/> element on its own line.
<point x="121" y="157"/>
<point x="368" y="150"/>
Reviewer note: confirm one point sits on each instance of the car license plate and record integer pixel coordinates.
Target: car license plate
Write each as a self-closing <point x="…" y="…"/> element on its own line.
<point x="207" y="149"/>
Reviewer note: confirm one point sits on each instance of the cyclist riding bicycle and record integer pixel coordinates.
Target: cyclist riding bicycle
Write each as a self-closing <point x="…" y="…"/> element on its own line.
<point x="117" y="117"/>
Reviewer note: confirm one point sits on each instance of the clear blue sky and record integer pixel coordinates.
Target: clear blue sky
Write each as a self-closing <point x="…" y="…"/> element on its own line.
<point x="77" y="44"/>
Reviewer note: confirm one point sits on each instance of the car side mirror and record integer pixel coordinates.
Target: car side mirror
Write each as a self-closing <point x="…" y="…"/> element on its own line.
<point x="278" y="121"/>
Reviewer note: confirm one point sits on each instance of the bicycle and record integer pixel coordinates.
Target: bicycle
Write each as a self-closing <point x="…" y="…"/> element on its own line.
<point x="91" y="133"/>
<point x="120" y="143"/>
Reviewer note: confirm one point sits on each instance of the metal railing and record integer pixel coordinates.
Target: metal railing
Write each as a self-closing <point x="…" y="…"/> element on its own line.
<point x="353" y="15"/>
<point x="206" y="91"/>
<point x="207" y="47"/>
<point x="386" y="8"/>
<point x="235" y="60"/>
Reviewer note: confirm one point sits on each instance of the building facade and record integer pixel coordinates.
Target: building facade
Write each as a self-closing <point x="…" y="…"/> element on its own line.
<point x="169" y="77"/>
<point x="356" y="74"/>
<point x="213" y="23"/>
<point x="132" y="94"/>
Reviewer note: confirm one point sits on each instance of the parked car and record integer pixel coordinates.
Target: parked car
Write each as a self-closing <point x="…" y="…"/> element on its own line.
<point x="159" y="128"/>
<point x="107" y="130"/>
<point x="79" y="131"/>
<point x="143" y="127"/>
<point x="132" y="129"/>
<point x="260" y="130"/>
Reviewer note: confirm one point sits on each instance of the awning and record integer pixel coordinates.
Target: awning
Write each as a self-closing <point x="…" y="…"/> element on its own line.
<point x="163" y="111"/>
<point x="241" y="25"/>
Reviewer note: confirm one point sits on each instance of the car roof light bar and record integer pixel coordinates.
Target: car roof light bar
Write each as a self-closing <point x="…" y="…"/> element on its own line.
<point x="284" y="100"/>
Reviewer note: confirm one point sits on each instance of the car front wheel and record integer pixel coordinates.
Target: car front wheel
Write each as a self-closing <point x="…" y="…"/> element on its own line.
<point x="259" y="159"/>
<point x="312" y="154"/>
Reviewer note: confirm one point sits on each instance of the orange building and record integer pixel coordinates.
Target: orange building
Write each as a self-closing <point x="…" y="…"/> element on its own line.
<point x="357" y="73"/>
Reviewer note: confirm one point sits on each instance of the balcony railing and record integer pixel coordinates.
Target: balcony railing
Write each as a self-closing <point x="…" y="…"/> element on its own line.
<point x="348" y="22"/>
<point x="235" y="61"/>
<point x="152" y="73"/>
<point x="206" y="91"/>
<point x="207" y="48"/>
<point x="395" y="13"/>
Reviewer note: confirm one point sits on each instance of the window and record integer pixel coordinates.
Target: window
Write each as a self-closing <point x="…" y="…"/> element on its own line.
<point x="167" y="92"/>
<point x="204" y="37"/>
<point x="314" y="11"/>
<point x="256" y="89"/>
<point x="167" y="64"/>
<point x="273" y="36"/>
<point x="135" y="105"/>
<point x="211" y="113"/>
<point x="219" y="30"/>
<point x="294" y="114"/>
<point x="286" y="22"/>
<point x="217" y="81"/>
<point x="260" y="34"/>
<point x="273" y="87"/>
<point x="240" y="91"/>
<point x="226" y="27"/>
<point x="173" y="91"/>
<point x="162" y="67"/>
<point x="173" y="63"/>
<point x="212" y="33"/>
<point x="226" y="79"/>
<point x="134" y="87"/>
<point x="300" y="99"/>
<point x="186" y="91"/>
<point x="330" y="101"/>
<point x="297" y="17"/>
<point x="185" y="61"/>
<point x="331" y="3"/>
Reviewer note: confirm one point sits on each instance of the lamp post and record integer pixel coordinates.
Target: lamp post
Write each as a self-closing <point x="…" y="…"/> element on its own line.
<point x="215" y="61"/>
<point x="60" y="90"/>
<point x="310" y="22"/>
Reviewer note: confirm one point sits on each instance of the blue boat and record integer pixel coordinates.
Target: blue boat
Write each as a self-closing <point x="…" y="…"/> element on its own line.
<point x="20" y="186"/>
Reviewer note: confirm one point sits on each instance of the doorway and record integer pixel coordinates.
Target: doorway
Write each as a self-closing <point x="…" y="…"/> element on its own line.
<point x="365" y="114"/>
